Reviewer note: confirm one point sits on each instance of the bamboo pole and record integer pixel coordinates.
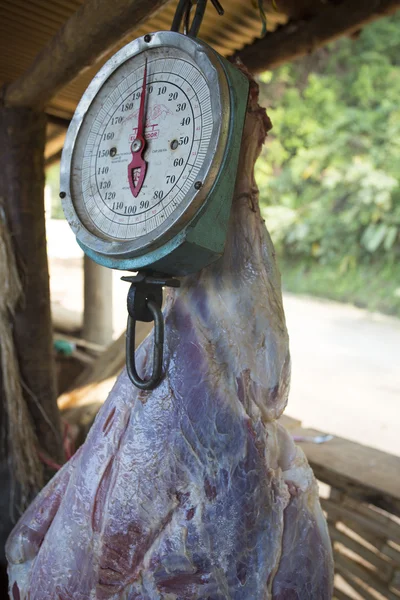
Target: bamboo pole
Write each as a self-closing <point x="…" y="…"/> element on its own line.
<point x="346" y="566"/>
<point x="383" y="567"/>
<point x="296" y="39"/>
<point x="87" y="35"/>
<point x="389" y="530"/>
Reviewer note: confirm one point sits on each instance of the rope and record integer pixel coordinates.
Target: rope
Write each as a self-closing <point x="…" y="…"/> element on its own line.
<point x="22" y="441"/>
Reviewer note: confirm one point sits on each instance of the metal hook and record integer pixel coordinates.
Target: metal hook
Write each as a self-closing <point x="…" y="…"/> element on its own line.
<point x="144" y="304"/>
<point x="183" y="12"/>
<point x="186" y="20"/>
<point x="146" y="384"/>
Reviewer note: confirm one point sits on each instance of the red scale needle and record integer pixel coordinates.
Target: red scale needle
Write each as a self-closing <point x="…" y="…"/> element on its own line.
<point x="139" y="145"/>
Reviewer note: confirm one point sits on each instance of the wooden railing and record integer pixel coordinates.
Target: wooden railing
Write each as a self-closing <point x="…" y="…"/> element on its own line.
<point x="360" y="494"/>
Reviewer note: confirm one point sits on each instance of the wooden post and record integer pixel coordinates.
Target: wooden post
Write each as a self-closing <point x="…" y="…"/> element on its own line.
<point x="98" y="303"/>
<point x="22" y="139"/>
<point x="83" y="39"/>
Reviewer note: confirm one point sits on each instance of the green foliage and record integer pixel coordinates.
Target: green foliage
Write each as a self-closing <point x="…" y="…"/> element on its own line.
<point x="375" y="287"/>
<point x="329" y="174"/>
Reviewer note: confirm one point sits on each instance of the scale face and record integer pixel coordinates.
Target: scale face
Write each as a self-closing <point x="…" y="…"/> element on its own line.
<point x="184" y="118"/>
<point x="149" y="166"/>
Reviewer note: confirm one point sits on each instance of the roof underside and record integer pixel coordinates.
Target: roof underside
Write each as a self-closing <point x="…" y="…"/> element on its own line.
<point x="294" y="27"/>
<point x="26" y="27"/>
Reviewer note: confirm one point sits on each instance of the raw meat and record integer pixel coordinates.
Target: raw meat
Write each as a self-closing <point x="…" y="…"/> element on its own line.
<point x="192" y="491"/>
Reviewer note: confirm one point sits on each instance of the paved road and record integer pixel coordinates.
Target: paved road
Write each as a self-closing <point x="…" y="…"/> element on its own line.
<point x="346" y="371"/>
<point x="346" y="362"/>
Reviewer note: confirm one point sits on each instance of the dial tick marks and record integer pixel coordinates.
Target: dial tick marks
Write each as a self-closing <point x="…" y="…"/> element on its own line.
<point x="138" y="166"/>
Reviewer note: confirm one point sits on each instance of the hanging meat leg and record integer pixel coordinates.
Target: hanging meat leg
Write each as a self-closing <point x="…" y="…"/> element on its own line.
<point x="192" y="491"/>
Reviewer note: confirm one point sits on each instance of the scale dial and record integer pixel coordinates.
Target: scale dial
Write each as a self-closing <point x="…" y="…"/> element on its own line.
<point x="161" y="104"/>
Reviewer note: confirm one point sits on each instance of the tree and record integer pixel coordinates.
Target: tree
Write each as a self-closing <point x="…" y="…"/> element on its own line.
<point x="329" y="176"/>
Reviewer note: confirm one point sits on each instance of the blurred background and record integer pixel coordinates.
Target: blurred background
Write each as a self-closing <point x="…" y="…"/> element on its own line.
<point x="329" y="192"/>
<point x="329" y="189"/>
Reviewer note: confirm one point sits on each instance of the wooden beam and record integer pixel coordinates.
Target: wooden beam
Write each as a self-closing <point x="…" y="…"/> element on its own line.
<point x="96" y="381"/>
<point x="54" y="146"/>
<point x="363" y="473"/>
<point x="296" y="39"/>
<point x="52" y="160"/>
<point x="89" y="33"/>
<point x="58" y="121"/>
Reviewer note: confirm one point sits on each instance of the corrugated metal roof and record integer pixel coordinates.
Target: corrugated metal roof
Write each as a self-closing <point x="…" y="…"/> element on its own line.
<point x="26" y="27"/>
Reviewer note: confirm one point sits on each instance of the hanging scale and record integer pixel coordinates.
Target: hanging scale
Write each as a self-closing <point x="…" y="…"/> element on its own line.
<point x="149" y="166"/>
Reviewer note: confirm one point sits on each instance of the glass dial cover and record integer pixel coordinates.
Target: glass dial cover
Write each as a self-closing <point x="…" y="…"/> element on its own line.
<point x="186" y="122"/>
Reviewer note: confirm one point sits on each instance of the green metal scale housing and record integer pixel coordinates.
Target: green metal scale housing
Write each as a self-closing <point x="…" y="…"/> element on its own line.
<point x="149" y="163"/>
